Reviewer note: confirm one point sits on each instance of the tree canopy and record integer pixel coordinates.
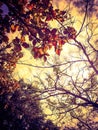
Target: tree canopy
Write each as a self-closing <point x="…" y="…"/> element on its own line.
<point x="64" y="91"/>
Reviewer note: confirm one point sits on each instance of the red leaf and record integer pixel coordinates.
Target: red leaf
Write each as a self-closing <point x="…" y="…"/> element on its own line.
<point x="55" y="37"/>
<point x="61" y="42"/>
<point x="58" y="51"/>
<point x="48" y="18"/>
<point x="54" y="43"/>
<point x="45" y="58"/>
<point x="30" y="7"/>
<point x="13" y="27"/>
<point x="54" y="13"/>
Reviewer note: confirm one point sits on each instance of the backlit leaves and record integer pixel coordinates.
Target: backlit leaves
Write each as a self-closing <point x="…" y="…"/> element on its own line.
<point x="22" y="39"/>
<point x="30" y="7"/>
<point x="70" y="32"/>
<point x="31" y="18"/>
<point x="14" y="27"/>
<point x="40" y="52"/>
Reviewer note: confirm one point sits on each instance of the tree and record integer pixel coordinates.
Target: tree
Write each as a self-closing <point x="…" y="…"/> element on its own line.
<point x="19" y="110"/>
<point x="65" y="91"/>
<point x="17" y="107"/>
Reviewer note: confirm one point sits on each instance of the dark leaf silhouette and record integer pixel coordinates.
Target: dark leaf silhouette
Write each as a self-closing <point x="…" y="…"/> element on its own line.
<point x="25" y="45"/>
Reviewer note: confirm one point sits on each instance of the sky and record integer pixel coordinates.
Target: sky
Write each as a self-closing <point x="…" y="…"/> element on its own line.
<point x="77" y="10"/>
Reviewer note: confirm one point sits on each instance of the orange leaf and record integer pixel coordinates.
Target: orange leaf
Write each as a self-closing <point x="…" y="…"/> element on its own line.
<point x="45" y="48"/>
<point x="13" y="28"/>
<point x="58" y="51"/>
<point x="22" y="39"/>
<point x="41" y="51"/>
<point x="50" y="45"/>
<point x="30" y="7"/>
<point x="61" y="42"/>
<point x="17" y="27"/>
<point x="55" y="37"/>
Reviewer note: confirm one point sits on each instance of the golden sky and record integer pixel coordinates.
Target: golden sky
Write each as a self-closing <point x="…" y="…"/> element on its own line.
<point x="29" y="74"/>
<point x="77" y="19"/>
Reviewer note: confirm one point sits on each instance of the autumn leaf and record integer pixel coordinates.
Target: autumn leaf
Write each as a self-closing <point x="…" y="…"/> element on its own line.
<point x="22" y="39"/>
<point x="54" y="13"/>
<point x="50" y="45"/>
<point x="55" y="37"/>
<point x="54" y="43"/>
<point x="30" y="7"/>
<point x="45" y="58"/>
<point x="35" y="52"/>
<point x="25" y="45"/>
<point x="58" y="51"/>
<point x="48" y="18"/>
<point x="40" y="50"/>
<point x="45" y="49"/>
<point x="61" y="42"/>
<point x="13" y="28"/>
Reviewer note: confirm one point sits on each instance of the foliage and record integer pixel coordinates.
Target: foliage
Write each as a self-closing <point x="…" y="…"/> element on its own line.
<point x="32" y="18"/>
<point x="64" y="91"/>
<point x="19" y="110"/>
